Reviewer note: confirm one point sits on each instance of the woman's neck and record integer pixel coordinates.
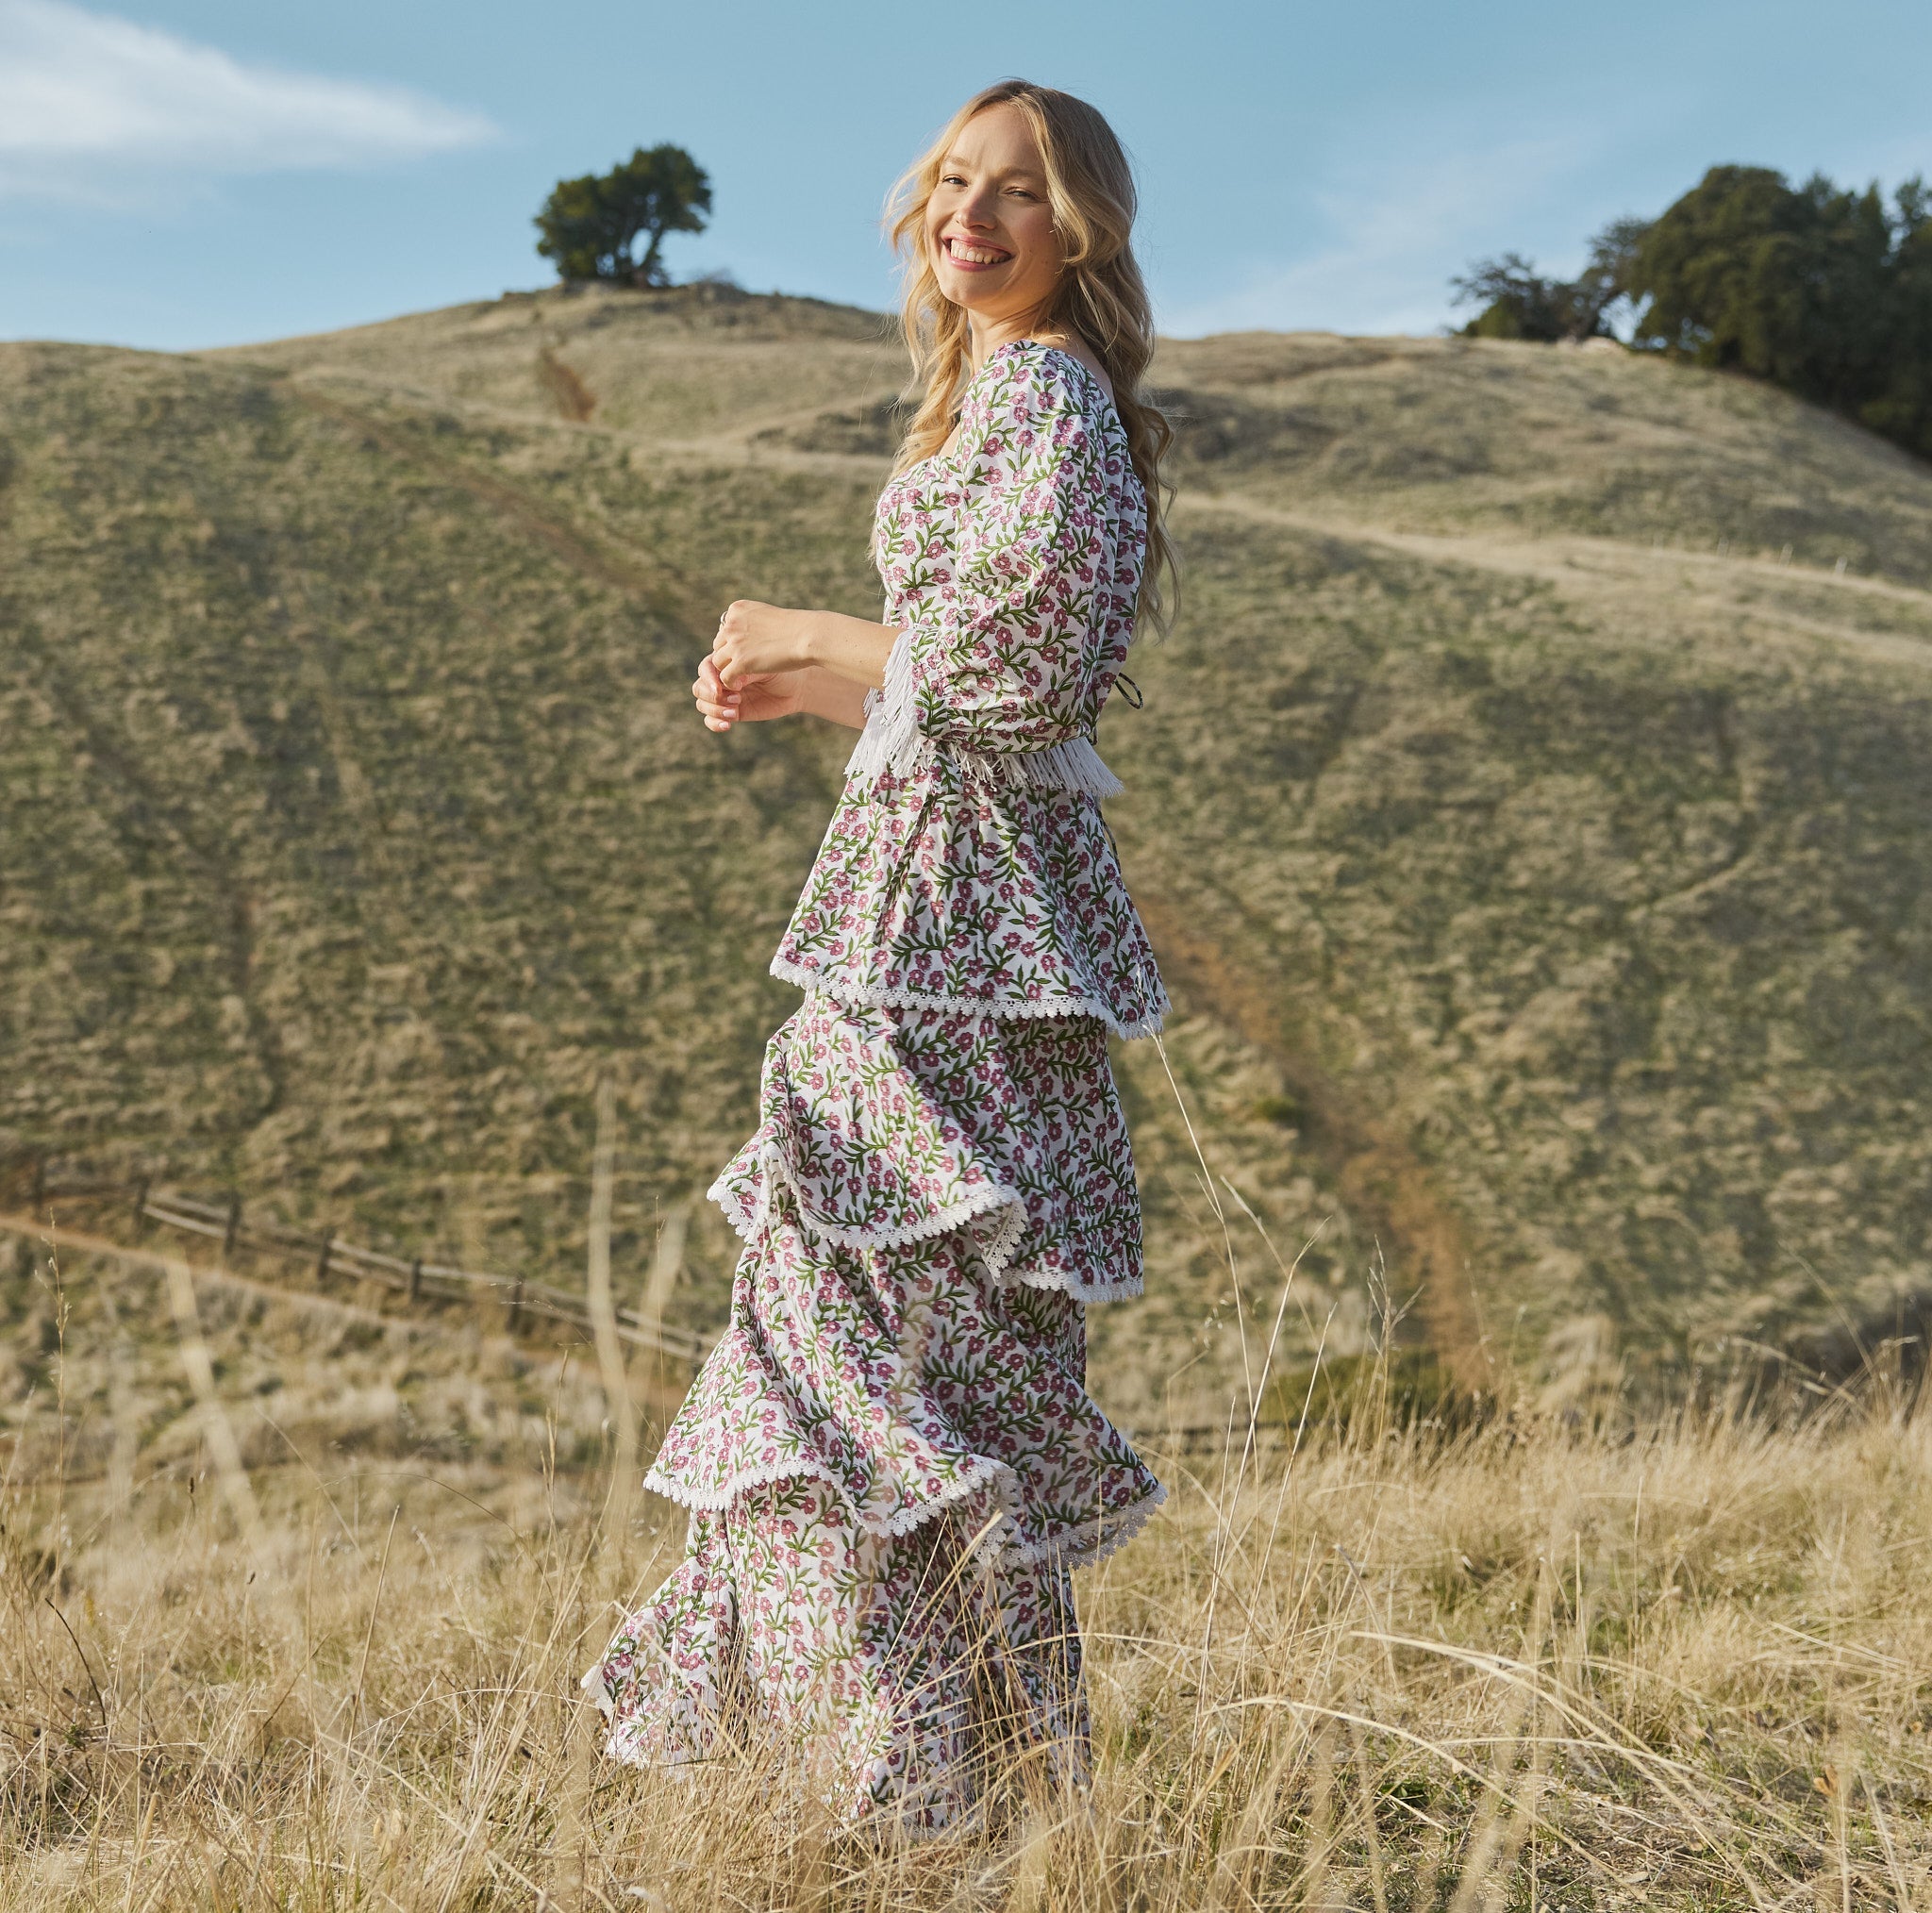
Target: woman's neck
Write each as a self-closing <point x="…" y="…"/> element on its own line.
<point x="986" y="336"/>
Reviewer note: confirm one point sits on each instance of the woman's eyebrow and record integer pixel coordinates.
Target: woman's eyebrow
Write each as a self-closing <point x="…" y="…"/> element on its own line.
<point x="953" y="162"/>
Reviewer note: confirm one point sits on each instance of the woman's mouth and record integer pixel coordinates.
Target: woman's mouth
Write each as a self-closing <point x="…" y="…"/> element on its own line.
<point x="973" y="256"/>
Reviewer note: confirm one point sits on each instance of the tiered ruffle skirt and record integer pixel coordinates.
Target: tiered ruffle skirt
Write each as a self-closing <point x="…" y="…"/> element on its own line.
<point x="890" y="1460"/>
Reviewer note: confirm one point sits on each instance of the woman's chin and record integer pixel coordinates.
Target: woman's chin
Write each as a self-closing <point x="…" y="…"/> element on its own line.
<point x="964" y="287"/>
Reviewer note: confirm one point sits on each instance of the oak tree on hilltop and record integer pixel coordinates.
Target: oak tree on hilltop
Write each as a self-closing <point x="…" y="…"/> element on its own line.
<point x="1818" y="288"/>
<point x="1822" y="289"/>
<point x="1518" y="302"/>
<point x="591" y="226"/>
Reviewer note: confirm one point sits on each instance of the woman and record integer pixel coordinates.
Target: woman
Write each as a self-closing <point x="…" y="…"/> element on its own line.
<point x="891" y="1460"/>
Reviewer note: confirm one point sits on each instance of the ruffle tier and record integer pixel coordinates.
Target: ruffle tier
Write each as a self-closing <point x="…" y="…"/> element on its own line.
<point x="942" y="890"/>
<point x="886" y="1128"/>
<point x="927" y="1203"/>
<point x="857" y="1669"/>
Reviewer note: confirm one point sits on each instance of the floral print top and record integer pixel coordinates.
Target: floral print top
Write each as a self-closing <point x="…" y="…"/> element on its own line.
<point x="967" y="866"/>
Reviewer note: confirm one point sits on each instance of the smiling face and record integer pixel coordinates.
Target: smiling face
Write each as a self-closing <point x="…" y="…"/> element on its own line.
<point x="988" y="227"/>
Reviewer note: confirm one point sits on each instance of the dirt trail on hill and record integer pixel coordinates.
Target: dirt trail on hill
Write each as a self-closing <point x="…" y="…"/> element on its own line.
<point x="1603" y="575"/>
<point x="1378" y="1175"/>
<point x="664" y="590"/>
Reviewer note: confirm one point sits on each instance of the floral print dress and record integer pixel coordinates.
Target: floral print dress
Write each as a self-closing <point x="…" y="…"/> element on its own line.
<point x="890" y="1460"/>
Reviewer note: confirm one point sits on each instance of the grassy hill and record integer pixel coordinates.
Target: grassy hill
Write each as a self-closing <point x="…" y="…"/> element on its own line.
<point x="1529" y="808"/>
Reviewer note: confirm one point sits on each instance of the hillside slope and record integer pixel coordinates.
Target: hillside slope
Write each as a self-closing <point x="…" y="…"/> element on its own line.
<point x="1529" y="810"/>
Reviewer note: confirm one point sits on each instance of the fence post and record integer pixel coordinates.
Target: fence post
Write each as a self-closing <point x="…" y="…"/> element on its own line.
<point x="39" y="1186"/>
<point x="233" y="1229"/>
<point x="416" y="1279"/>
<point x="141" y="1190"/>
<point x="328" y="1243"/>
<point x="516" y="1304"/>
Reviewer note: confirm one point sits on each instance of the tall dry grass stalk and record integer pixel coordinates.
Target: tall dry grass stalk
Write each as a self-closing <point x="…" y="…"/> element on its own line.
<point x="1526" y="1664"/>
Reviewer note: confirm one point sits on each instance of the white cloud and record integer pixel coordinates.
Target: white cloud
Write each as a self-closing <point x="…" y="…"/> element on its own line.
<point x="1402" y="231"/>
<point x="89" y="102"/>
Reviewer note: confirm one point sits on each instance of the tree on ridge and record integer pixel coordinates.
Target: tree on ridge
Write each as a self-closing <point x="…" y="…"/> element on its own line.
<point x="1519" y="303"/>
<point x="588" y="226"/>
<point x="1819" y="289"/>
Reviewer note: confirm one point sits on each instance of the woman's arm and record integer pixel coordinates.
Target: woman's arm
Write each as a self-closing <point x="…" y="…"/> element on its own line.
<point x="769" y="662"/>
<point x="756" y="640"/>
<point x="999" y="654"/>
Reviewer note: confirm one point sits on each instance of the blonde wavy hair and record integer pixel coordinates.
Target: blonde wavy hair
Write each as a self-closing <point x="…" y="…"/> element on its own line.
<point x="1100" y="296"/>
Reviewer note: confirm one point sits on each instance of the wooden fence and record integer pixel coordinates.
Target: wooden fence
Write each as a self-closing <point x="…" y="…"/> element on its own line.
<point x="318" y="1257"/>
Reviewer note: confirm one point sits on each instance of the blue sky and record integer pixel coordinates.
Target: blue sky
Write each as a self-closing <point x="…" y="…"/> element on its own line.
<point x="194" y="172"/>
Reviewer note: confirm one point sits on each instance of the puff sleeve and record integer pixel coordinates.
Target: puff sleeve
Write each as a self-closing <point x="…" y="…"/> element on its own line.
<point x="1001" y="656"/>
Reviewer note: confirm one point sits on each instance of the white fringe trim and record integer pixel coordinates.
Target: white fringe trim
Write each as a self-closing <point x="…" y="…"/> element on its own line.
<point x="1010" y="1009"/>
<point x="893" y="744"/>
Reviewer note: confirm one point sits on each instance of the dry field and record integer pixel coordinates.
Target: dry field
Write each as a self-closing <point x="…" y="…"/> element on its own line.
<point x="295" y="1598"/>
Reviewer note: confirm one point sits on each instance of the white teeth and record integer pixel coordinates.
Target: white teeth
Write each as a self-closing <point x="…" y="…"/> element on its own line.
<point x="975" y="256"/>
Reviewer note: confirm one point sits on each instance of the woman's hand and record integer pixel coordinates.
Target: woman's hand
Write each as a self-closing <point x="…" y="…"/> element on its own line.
<point x="751" y="701"/>
<point x="760" y="641"/>
<point x="768" y="662"/>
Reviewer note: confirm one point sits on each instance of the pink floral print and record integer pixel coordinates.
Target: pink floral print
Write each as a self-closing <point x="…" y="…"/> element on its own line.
<point x="1014" y="560"/>
<point x="967" y="865"/>
<point x="889" y="1457"/>
<point x="897" y="1686"/>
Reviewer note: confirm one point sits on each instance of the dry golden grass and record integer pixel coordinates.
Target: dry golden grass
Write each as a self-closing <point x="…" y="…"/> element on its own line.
<point x="1521" y="1664"/>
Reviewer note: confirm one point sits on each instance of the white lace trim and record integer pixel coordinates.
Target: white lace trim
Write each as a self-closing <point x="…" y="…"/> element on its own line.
<point x="1082" y="1545"/>
<point x="1008" y="1008"/>
<point x="994" y="1253"/>
<point x="893" y="743"/>
<point x="1105" y="1536"/>
<point x="1075" y="1547"/>
<point x="984" y="1474"/>
<point x="1126" y="1289"/>
<point x="712" y="1499"/>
